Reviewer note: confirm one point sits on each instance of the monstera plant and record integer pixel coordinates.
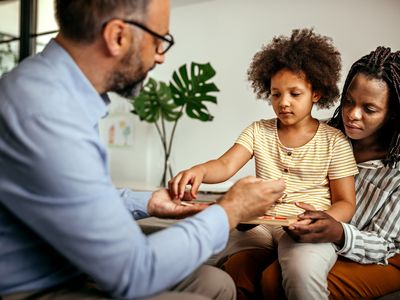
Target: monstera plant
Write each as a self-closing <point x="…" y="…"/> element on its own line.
<point x="187" y="93"/>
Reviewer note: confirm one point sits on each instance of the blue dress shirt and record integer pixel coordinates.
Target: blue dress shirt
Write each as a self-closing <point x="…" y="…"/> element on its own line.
<point x="59" y="212"/>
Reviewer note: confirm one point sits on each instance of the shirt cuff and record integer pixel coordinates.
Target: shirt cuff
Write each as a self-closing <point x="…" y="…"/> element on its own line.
<point x="135" y="202"/>
<point x="347" y="240"/>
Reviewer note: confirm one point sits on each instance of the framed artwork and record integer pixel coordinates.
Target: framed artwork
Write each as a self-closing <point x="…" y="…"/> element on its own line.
<point x="116" y="128"/>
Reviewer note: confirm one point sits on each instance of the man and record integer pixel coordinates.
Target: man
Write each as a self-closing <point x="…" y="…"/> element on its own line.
<point x="60" y="216"/>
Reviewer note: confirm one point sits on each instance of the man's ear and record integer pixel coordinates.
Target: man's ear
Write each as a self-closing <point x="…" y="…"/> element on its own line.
<point x="116" y="37"/>
<point x="316" y="96"/>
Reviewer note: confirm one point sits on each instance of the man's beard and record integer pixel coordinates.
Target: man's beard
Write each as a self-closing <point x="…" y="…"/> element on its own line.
<point x="128" y="77"/>
<point x="132" y="89"/>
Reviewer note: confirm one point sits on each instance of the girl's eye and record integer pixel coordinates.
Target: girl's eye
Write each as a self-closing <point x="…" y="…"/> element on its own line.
<point x="275" y="95"/>
<point x="295" y="94"/>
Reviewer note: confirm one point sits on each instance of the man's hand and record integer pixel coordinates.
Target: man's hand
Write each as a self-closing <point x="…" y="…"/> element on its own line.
<point x="161" y="205"/>
<point x="250" y="197"/>
<point x="322" y="228"/>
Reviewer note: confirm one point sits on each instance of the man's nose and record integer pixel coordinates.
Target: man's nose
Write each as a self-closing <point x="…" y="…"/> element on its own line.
<point x="159" y="58"/>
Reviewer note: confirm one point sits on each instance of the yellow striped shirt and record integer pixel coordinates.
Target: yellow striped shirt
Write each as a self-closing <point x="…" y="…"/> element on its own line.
<point x="306" y="169"/>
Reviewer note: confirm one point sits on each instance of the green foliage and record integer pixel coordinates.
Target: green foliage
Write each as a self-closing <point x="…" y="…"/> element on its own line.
<point x="192" y="91"/>
<point x="154" y="101"/>
<point x="187" y="93"/>
<point x="158" y="99"/>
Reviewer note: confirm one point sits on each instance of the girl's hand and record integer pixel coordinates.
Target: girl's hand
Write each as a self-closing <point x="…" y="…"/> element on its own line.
<point x="177" y="185"/>
<point x="306" y="207"/>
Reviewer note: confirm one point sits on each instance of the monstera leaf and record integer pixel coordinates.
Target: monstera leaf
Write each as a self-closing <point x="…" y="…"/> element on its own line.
<point x="155" y="100"/>
<point x="195" y="89"/>
<point x="159" y="103"/>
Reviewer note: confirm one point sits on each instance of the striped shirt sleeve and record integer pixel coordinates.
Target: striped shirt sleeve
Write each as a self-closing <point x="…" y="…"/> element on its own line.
<point x="374" y="233"/>
<point x="342" y="163"/>
<point x="246" y="138"/>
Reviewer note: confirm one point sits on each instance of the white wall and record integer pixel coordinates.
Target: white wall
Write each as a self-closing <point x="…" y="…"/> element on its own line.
<point x="227" y="33"/>
<point x="9" y="17"/>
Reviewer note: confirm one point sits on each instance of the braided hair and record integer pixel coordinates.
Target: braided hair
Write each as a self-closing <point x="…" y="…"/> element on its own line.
<point x="381" y="64"/>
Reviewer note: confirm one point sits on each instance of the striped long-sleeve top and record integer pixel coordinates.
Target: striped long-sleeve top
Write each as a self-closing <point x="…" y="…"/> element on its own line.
<point x="373" y="235"/>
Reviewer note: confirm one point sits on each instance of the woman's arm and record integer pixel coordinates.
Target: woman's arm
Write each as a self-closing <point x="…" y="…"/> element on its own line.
<point x="368" y="247"/>
<point x="373" y="236"/>
<point x="374" y="233"/>
<point x="343" y="198"/>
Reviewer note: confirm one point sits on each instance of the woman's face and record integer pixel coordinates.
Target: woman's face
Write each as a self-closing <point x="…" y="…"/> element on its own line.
<point x="365" y="107"/>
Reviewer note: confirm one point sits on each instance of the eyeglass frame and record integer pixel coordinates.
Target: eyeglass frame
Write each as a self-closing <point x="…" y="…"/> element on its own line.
<point x="169" y="40"/>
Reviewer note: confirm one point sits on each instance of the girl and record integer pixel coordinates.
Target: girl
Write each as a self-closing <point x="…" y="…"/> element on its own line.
<point x="368" y="114"/>
<point x="315" y="160"/>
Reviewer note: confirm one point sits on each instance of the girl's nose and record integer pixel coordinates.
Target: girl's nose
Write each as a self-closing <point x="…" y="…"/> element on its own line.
<point x="284" y="101"/>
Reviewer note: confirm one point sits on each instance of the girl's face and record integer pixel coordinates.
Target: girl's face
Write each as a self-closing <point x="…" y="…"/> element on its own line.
<point x="365" y="107"/>
<point x="292" y="97"/>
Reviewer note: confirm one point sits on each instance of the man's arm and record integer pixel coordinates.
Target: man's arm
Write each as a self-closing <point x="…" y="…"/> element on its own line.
<point x="65" y="195"/>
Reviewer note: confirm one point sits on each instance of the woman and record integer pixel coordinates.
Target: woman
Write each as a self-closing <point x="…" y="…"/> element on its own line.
<point x="370" y="245"/>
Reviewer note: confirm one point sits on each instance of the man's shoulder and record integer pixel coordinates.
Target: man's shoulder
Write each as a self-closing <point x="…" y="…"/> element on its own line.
<point x="34" y="75"/>
<point x="36" y="83"/>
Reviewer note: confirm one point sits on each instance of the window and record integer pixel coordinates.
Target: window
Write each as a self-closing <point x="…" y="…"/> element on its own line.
<point x="25" y="28"/>
<point x="9" y="34"/>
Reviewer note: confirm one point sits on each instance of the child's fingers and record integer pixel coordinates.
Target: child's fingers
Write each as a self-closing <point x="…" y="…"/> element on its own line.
<point x="184" y="180"/>
<point x="187" y="196"/>
<point x="305" y="206"/>
<point x="303" y="222"/>
<point x="195" y="186"/>
<point x="314" y="215"/>
<point x="173" y="185"/>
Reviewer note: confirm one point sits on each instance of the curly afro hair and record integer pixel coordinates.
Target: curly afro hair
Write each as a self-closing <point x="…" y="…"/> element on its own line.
<point x="304" y="51"/>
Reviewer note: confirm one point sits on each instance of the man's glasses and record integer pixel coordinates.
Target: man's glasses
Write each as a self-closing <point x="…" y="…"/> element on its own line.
<point x="167" y="40"/>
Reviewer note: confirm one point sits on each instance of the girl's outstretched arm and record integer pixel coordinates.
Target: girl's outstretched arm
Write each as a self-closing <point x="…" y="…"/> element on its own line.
<point x="213" y="171"/>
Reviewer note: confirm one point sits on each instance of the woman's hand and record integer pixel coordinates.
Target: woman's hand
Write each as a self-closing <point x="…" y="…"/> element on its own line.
<point x="193" y="176"/>
<point x="322" y="228"/>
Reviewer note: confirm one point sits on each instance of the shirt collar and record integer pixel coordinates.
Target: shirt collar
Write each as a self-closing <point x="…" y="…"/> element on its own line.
<point x="94" y="105"/>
